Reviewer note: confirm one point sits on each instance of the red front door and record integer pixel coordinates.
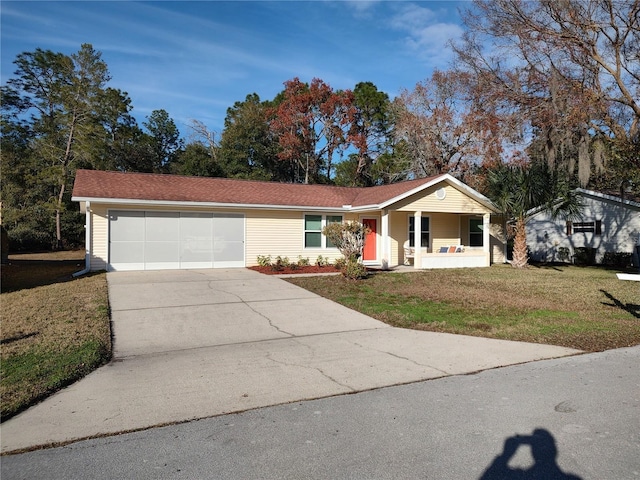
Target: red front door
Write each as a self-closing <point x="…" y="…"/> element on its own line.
<point x="370" y="251"/>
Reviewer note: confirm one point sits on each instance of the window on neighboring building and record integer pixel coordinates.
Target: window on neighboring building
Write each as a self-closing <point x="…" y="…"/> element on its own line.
<point x="313" y="224"/>
<point x="424" y="231"/>
<point x="594" y="227"/>
<point x="475" y="232"/>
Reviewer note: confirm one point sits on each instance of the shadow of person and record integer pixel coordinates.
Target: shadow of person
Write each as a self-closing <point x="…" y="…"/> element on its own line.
<point x="544" y="453"/>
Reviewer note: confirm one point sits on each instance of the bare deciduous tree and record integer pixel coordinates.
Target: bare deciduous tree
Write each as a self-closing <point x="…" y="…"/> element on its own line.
<point x="200" y="133"/>
<point x="571" y="68"/>
<point x="444" y="129"/>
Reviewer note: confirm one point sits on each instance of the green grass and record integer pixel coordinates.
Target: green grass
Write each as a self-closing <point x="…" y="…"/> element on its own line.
<point x="584" y="308"/>
<point x="55" y="330"/>
<point x="36" y="374"/>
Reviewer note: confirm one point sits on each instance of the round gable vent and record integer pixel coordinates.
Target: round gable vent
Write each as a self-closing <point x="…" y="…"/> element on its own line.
<point x="441" y="193"/>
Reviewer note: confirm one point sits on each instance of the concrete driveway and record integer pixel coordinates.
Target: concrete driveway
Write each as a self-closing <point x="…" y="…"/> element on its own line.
<point x="198" y="343"/>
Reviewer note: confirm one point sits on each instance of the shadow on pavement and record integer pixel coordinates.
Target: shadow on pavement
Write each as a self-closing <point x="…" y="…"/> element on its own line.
<point x="543" y="451"/>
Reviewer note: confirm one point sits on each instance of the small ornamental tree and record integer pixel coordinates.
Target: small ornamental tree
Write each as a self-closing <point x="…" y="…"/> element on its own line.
<point x="349" y="238"/>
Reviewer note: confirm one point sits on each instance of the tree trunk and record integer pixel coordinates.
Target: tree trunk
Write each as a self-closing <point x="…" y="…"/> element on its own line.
<point x="520" y="257"/>
<point x="59" y="245"/>
<point x="63" y="181"/>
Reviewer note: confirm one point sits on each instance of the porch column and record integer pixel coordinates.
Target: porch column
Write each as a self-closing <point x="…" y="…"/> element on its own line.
<point x="486" y="237"/>
<point x="385" y="252"/>
<point x="417" y="239"/>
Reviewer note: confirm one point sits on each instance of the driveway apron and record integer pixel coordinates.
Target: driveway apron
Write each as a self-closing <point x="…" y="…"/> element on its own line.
<point x="191" y="344"/>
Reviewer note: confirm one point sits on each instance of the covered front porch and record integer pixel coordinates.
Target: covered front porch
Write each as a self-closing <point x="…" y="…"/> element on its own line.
<point x="445" y="240"/>
<point x="446" y="225"/>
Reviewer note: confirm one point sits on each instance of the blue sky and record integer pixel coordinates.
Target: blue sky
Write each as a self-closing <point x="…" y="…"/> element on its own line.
<point x="195" y="59"/>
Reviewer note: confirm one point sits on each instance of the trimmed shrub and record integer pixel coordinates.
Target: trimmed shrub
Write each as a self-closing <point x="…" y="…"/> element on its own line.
<point x="617" y="259"/>
<point x="354" y="270"/>
<point x="584" y="256"/>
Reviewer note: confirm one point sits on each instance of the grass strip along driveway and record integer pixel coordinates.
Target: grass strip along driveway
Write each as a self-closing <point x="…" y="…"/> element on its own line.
<point x="583" y="308"/>
<point x="55" y="329"/>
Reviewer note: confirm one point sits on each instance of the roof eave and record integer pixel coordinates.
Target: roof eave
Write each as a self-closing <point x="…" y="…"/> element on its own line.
<point x="451" y="180"/>
<point x="605" y="196"/>
<point x="182" y="203"/>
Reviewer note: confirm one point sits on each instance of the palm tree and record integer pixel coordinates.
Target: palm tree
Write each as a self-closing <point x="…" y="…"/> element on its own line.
<point x="518" y="191"/>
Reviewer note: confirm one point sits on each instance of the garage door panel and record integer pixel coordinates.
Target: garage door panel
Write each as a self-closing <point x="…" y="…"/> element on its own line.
<point x="229" y="254"/>
<point x="127" y="226"/>
<point x="228" y="242"/>
<point x="127" y="256"/>
<point x="162" y="227"/>
<point x="228" y="226"/>
<point x="127" y="240"/>
<point x="162" y="255"/>
<point x="196" y="240"/>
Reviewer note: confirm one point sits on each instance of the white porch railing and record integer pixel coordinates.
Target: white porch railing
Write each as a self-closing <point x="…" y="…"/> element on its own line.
<point x="467" y="259"/>
<point x="456" y="256"/>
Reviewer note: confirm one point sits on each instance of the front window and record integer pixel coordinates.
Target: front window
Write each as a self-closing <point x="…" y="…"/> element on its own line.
<point x="313" y="225"/>
<point x="424" y="232"/>
<point x="313" y="231"/>
<point x="475" y="232"/>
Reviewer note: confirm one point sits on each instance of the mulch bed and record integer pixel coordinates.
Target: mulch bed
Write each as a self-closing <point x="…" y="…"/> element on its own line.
<point x="298" y="270"/>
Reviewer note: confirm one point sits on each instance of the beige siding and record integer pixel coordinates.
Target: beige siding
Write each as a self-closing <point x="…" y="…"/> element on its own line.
<point x="398" y="232"/>
<point x="273" y="232"/>
<point x="445" y="230"/>
<point x="99" y="237"/>
<point x="281" y="233"/>
<point x="497" y="240"/>
<point x="454" y="202"/>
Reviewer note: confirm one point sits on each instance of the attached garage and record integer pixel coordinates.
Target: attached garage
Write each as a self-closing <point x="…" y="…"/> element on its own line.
<point x="157" y="240"/>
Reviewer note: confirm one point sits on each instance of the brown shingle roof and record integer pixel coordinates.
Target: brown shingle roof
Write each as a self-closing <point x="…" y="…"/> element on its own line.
<point x="95" y="184"/>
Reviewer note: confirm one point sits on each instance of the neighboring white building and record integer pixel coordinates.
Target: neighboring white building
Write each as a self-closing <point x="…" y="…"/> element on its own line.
<point x="608" y="224"/>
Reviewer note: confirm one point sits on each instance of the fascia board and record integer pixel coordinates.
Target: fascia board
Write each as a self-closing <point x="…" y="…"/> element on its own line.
<point x="413" y="191"/>
<point x="454" y="182"/>
<point x="611" y="198"/>
<point x="174" y="203"/>
<point x="472" y="193"/>
<point x="365" y="208"/>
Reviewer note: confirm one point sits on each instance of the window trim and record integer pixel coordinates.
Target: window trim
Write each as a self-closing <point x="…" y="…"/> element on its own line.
<point x="323" y="223"/>
<point x="428" y="232"/>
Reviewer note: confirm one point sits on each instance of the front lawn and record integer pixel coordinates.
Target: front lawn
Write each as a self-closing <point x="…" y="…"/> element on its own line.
<point x="55" y="329"/>
<point x="584" y="308"/>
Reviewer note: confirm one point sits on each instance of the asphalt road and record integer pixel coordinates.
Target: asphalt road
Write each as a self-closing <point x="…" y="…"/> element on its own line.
<point x="573" y="417"/>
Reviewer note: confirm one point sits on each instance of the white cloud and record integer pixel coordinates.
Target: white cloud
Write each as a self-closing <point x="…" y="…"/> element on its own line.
<point x="427" y="31"/>
<point x="412" y="17"/>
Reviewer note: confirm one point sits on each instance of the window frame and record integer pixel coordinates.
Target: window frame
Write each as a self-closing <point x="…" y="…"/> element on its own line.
<point x="593" y="226"/>
<point x="475" y="234"/>
<point x="410" y="235"/>
<point x="325" y="219"/>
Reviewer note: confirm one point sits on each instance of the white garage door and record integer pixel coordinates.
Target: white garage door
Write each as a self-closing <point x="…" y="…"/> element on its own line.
<point x="174" y="240"/>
